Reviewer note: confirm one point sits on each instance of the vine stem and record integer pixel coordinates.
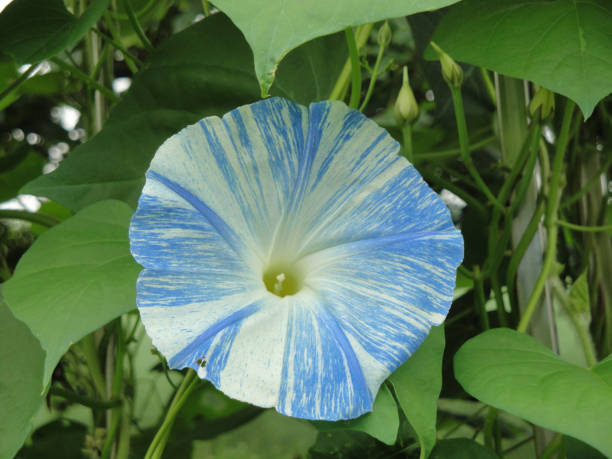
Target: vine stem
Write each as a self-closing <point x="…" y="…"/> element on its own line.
<point x="137" y="27"/>
<point x="550" y="222"/>
<point x="85" y="78"/>
<point x="337" y="93"/>
<point x="370" y="90"/>
<point x="18" y="82"/>
<point x="355" y="68"/>
<point x="584" y="228"/>
<point x="465" y="148"/>
<point x="156" y="448"/>
<point x="407" y="143"/>
<point x="32" y="217"/>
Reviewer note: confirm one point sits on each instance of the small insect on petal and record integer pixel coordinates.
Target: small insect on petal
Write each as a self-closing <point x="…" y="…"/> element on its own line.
<point x="291" y="256"/>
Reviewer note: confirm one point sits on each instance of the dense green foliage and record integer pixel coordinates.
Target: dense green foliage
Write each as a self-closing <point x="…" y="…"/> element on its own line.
<point x="519" y="136"/>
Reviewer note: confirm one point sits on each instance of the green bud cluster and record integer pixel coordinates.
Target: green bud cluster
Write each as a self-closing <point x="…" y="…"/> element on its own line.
<point x="451" y="71"/>
<point x="542" y="104"/>
<point x="406" y="108"/>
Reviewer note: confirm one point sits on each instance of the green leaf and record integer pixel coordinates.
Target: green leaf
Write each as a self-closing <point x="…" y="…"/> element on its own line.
<point x="75" y="278"/>
<point x="21" y="371"/>
<point x="514" y="372"/>
<point x="563" y="45"/>
<point x="382" y="423"/>
<point x="33" y="30"/>
<point x="62" y="438"/>
<point x="417" y="384"/>
<point x="275" y="27"/>
<point x="604" y="369"/>
<point x="27" y="167"/>
<point x="180" y="85"/>
<point x="461" y="448"/>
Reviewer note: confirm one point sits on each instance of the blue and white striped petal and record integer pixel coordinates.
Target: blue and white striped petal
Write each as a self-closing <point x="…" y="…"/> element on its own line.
<point x="314" y="196"/>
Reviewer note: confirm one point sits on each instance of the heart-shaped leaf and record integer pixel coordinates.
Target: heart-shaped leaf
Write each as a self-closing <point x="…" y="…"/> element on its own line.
<point x="33" y="30"/>
<point x="417" y="384"/>
<point x="21" y="371"/>
<point x="275" y="27"/>
<point x="75" y="278"/>
<point x="514" y="372"/>
<point x="563" y="45"/>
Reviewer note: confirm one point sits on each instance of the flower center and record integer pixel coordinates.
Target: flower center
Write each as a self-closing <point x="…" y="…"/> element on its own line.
<point x="282" y="281"/>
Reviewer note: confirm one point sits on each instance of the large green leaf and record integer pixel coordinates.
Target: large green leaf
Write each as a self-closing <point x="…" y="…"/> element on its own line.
<point x="26" y="165"/>
<point x="514" y="372"/>
<point x="76" y="277"/>
<point x="563" y="45"/>
<point x="33" y="30"/>
<point x="382" y="423"/>
<point x="21" y="371"/>
<point x="181" y="85"/>
<point x="417" y="384"/>
<point x="275" y="27"/>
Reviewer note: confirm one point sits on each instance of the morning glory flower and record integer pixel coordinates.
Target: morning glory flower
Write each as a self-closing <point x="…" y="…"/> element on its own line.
<point x="291" y="256"/>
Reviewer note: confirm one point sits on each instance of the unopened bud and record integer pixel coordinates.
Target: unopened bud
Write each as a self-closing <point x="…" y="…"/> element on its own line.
<point x="384" y="35"/>
<point x="406" y="109"/>
<point x="451" y="71"/>
<point x="542" y="104"/>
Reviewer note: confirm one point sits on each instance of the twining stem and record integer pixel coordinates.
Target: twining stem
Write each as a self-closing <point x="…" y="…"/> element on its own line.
<point x="465" y="148"/>
<point x="552" y="447"/>
<point x="131" y="61"/>
<point x="83" y="400"/>
<point x="40" y="219"/>
<point x="90" y="353"/>
<point x="584" y="228"/>
<point x="137" y="27"/>
<point x="407" y="141"/>
<point x="206" y="7"/>
<point x="339" y="89"/>
<point x="596" y="179"/>
<point x="373" y="77"/>
<point x="486" y="78"/>
<point x="433" y="155"/>
<point x="583" y="335"/>
<point x="17" y="82"/>
<point x="156" y="448"/>
<point x="550" y="220"/>
<point x="480" y="296"/>
<point x="74" y="71"/>
<point x="355" y="68"/>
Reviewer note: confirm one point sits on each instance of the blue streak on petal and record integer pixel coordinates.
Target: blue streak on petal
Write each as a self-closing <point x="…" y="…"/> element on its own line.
<point x="217" y="222"/>
<point x="321" y="377"/>
<point x="197" y="348"/>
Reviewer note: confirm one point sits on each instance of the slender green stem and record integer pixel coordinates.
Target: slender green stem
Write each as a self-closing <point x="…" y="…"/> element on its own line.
<point x="596" y="179"/>
<point x="339" y="89"/>
<point x="583" y="335"/>
<point x="40" y="219"/>
<point x="110" y="437"/>
<point x="17" y="82"/>
<point x="583" y="228"/>
<point x="552" y="447"/>
<point x="450" y="186"/>
<point x="90" y="353"/>
<point x="499" y="300"/>
<point x="206" y="7"/>
<point x="85" y="78"/>
<point x="523" y="244"/>
<point x="355" y="68"/>
<point x="131" y="61"/>
<point x="486" y="78"/>
<point x="407" y="143"/>
<point x="141" y="12"/>
<point x="85" y="401"/>
<point x="550" y="219"/>
<point x="480" y="297"/>
<point x="158" y="443"/>
<point x="137" y="27"/>
<point x="465" y="148"/>
<point x="373" y="77"/>
<point x="434" y="155"/>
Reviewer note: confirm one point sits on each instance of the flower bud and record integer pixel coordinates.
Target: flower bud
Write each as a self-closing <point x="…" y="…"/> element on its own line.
<point x="542" y="104"/>
<point x="384" y="35"/>
<point x="406" y="109"/>
<point x="451" y="71"/>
